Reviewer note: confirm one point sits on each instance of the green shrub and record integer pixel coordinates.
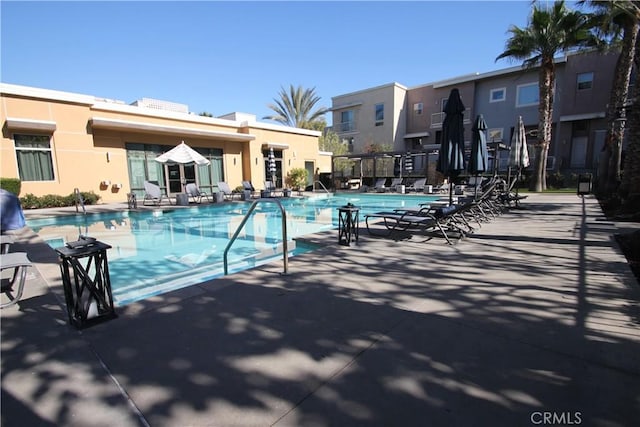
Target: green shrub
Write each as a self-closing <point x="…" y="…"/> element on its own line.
<point x="29" y="201"/>
<point x="11" y="184"/>
<point x="297" y="178"/>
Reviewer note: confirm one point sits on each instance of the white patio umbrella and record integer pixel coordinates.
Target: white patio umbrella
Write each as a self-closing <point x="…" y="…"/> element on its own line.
<point x="182" y="154"/>
<point x="272" y="166"/>
<point x="519" y="154"/>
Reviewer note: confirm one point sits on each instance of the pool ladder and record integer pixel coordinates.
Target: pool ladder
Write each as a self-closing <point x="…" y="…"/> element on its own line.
<point x="285" y="249"/>
<point x="79" y="200"/>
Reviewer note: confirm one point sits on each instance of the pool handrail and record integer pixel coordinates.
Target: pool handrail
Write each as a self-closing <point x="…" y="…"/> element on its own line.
<point x="322" y="185"/>
<point x="285" y="249"/>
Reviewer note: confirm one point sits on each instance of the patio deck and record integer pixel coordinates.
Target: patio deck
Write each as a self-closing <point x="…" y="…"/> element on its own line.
<point x="537" y="312"/>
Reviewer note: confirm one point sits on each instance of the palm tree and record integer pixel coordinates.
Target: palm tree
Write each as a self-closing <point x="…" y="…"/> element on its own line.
<point x="295" y="108"/>
<point x="617" y="23"/>
<point x="550" y="30"/>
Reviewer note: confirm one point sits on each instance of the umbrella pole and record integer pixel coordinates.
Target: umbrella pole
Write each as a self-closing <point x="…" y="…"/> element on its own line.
<point x="450" y="192"/>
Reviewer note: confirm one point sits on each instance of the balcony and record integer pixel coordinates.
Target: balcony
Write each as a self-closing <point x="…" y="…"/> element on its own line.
<point x="438" y="118"/>
<point x="344" y="127"/>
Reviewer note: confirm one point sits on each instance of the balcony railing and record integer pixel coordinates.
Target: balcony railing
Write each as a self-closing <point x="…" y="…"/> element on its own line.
<point x="438" y="118"/>
<point x="344" y="127"/>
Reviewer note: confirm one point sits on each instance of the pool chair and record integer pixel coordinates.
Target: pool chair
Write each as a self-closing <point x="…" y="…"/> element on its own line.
<point x="379" y="186"/>
<point x="248" y="186"/>
<point x="153" y="194"/>
<point x="228" y="194"/>
<point x="271" y="189"/>
<point x="19" y="262"/>
<point x="418" y="185"/>
<point x="194" y="192"/>
<point x="394" y="183"/>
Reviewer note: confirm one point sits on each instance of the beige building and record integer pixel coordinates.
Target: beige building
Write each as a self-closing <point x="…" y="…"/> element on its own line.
<point x="58" y="141"/>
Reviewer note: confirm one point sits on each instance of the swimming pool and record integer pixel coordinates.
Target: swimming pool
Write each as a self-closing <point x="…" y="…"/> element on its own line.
<point x="157" y="251"/>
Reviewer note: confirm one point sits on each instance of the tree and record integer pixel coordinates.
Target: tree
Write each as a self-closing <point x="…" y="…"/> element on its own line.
<point x="550" y="30"/>
<point x="617" y="25"/>
<point x="295" y="108"/>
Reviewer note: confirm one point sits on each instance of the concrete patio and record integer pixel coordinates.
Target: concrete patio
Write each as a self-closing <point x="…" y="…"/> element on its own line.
<point x="536" y="316"/>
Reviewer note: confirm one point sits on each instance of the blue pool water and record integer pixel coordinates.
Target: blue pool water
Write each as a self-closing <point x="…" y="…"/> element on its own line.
<point x="154" y="252"/>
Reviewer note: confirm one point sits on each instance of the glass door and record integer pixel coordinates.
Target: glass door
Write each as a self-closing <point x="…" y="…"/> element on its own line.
<point x="174" y="179"/>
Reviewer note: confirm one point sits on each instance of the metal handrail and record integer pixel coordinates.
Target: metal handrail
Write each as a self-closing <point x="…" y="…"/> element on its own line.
<point x="322" y="185"/>
<point x="285" y="248"/>
<point x="79" y="199"/>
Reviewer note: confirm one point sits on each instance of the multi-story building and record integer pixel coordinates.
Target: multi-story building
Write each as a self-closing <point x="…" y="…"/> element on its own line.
<point x="414" y="115"/>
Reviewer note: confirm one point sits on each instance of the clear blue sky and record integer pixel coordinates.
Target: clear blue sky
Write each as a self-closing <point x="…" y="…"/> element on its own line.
<point x="221" y="57"/>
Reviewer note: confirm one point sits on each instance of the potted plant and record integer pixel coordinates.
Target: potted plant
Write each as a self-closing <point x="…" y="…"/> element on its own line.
<point x="297" y="179"/>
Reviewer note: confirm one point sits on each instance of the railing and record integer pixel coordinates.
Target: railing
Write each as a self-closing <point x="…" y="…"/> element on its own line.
<point x="344" y="127"/>
<point x="79" y="200"/>
<point x="438" y="118"/>
<point x="322" y="185"/>
<point x="285" y="249"/>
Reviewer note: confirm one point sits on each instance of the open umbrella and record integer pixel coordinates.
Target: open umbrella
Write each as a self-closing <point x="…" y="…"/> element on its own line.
<point x="272" y="166"/>
<point x="519" y="154"/>
<point x="183" y="154"/>
<point x="451" y="154"/>
<point x="479" y="160"/>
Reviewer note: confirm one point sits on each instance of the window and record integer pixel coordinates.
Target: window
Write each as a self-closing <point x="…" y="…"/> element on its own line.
<point x="379" y="114"/>
<point x="346" y="121"/>
<point x="584" y="81"/>
<point x="34" y="157"/>
<point x="527" y="95"/>
<point x="497" y="95"/>
<point x="417" y="107"/>
<point x="494" y="134"/>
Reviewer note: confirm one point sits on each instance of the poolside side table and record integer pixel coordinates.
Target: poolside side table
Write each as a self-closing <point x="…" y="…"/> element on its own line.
<point x="87" y="288"/>
<point x="348" y="224"/>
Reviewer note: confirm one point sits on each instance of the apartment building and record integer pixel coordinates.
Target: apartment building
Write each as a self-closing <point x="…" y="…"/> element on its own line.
<point x="583" y="87"/>
<point x="57" y="141"/>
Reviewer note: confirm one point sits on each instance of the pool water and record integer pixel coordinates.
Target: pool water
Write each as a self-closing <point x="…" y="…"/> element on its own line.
<point x="157" y="251"/>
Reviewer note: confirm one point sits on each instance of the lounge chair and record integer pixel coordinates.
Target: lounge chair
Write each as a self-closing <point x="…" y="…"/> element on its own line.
<point x="153" y="193"/>
<point x="248" y="186"/>
<point x="5" y="243"/>
<point x="194" y="192"/>
<point x="272" y="190"/>
<point x="394" y="183"/>
<point x="228" y="194"/>
<point x="379" y="186"/>
<point x="418" y="185"/>
<point x="19" y="261"/>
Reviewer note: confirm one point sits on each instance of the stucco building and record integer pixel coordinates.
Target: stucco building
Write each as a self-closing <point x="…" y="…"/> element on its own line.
<point x="58" y="141"/>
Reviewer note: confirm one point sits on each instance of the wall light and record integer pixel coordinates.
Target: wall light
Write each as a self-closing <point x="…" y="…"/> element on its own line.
<point x="108" y="156"/>
<point x="106" y="182"/>
<point x="234" y="161"/>
<point x="256" y="160"/>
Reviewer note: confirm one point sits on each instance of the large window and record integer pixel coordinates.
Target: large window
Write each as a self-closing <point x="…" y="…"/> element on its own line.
<point x="527" y="95"/>
<point x="418" y="107"/>
<point x="35" y="161"/>
<point x="584" y="81"/>
<point x="497" y="95"/>
<point x="346" y="121"/>
<point x="379" y="114"/>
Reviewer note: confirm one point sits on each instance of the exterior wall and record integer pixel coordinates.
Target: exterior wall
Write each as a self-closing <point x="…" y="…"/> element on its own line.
<point x="363" y="103"/>
<point x="89" y="137"/>
<point x="571" y="106"/>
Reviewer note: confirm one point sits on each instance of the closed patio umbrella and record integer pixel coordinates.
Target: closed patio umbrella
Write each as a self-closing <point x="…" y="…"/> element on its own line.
<point x="479" y="160"/>
<point x="451" y="154"/>
<point x="272" y="166"/>
<point x="408" y="163"/>
<point x="519" y="153"/>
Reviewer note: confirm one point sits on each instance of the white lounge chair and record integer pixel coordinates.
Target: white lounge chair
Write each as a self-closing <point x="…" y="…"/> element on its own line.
<point x="154" y="194"/>
<point x="228" y="194"/>
<point x="19" y="261"/>
<point x="418" y="185"/>
<point x="197" y="195"/>
<point x="379" y="186"/>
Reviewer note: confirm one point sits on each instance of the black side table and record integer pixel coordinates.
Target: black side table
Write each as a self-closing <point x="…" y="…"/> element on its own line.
<point x="87" y="288"/>
<point x="348" y="224"/>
